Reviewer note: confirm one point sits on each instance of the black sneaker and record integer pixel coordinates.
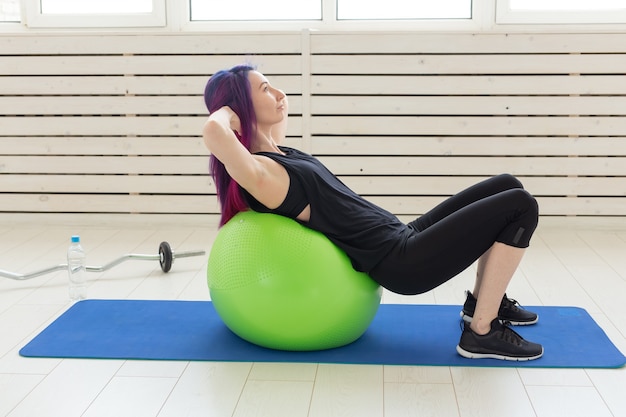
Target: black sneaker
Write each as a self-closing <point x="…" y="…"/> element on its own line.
<point x="500" y="343"/>
<point x="510" y="311"/>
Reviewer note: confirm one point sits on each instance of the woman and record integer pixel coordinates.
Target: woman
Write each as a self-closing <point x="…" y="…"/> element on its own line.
<point x="491" y="222"/>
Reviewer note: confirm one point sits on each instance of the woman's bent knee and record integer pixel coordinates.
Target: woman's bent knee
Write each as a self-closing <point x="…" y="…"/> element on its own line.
<point x="524" y="219"/>
<point x="508" y="181"/>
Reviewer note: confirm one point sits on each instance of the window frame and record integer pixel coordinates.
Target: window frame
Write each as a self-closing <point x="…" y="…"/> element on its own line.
<point x="173" y="16"/>
<point x="329" y="21"/>
<point x="32" y="17"/>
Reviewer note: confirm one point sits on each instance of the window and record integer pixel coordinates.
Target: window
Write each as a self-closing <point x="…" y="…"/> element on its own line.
<point x="95" y="13"/>
<point x="566" y="5"/>
<point x="243" y="15"/>
<point x="561" y="11"/>
<point x="95" y="6"/>
<point x="401" y="9"/>
<point x="9" y="11"/>
<point x="220" y="10"/>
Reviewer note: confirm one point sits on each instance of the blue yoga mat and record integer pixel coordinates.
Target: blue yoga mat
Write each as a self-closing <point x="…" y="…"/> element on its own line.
<point x="399" y="335"/>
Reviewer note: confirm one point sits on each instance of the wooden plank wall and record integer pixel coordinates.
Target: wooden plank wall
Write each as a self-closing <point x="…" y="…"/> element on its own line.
<point x="413" y="118"/>
<point x="111" y="123"/>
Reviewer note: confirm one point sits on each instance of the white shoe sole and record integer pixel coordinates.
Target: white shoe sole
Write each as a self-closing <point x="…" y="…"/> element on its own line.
<point x="472" y="355"/>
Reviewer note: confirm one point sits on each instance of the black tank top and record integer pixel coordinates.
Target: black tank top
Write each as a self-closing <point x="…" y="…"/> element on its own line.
<point x="365" y="231"/>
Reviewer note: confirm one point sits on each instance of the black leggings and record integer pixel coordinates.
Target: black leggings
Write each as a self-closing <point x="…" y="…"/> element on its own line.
<point x="453" y="235"/>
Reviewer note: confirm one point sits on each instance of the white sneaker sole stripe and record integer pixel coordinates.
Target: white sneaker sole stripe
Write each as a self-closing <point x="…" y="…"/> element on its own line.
<point x="472" y="355"/>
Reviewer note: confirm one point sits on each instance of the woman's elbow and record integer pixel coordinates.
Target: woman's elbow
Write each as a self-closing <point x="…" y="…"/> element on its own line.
<point x="210" y="133"/>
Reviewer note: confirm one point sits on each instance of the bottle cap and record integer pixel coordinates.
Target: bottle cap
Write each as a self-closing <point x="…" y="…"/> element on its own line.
<point x="75" y="239"/>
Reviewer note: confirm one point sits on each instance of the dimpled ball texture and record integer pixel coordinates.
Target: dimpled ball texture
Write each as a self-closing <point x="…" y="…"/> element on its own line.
<point x="281" y="285"/>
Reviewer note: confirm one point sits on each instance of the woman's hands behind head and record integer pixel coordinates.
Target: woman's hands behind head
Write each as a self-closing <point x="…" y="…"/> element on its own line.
<point x="222" y="128"/>
<point x="235" y="122"/>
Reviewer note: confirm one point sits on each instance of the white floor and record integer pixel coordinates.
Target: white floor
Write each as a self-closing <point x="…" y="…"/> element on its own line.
<point x="570" y="262"/>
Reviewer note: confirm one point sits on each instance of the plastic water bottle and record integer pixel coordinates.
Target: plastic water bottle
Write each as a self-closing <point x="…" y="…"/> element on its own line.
<point x="76" y="269"/>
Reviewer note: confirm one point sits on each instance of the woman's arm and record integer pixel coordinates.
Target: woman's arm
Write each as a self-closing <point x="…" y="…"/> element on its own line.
<point x="219" y="137"/>
<point x="265" y="179"/>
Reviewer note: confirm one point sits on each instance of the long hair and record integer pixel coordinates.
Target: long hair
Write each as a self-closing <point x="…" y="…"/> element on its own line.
<point x="231" y="88"/>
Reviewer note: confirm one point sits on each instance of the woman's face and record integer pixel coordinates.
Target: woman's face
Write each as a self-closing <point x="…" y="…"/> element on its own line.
<point x="268" y="102"/>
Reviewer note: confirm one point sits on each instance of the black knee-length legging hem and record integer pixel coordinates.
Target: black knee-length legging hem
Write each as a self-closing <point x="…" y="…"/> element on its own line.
<point x="454" y="234"/>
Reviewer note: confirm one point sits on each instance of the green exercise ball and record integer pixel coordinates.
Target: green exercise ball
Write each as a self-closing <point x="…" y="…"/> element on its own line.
<point x="281" y="285"/>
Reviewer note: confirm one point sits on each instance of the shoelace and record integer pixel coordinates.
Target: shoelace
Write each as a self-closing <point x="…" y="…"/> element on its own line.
<point x="511" y="304"/>
<point x="509" y="335"/>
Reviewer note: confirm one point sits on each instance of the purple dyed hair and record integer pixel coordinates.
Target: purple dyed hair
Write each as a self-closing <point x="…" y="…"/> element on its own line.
<point x="231" y="88"/>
